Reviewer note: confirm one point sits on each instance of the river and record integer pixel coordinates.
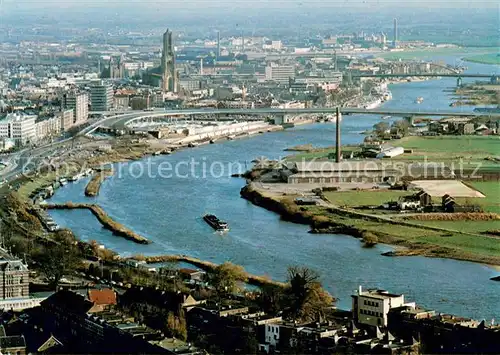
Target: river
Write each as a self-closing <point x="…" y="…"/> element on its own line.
<point x="168" y="211"/>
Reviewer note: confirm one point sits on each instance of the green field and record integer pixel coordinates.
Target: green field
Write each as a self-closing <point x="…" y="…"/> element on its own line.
<point x="364" y="198"/>
<point x="444" y="145"/>
<point x="490" y="58"/>
<point x="491" y="189"/>
<point x="461" y="246"/>
<point x="465" y="150"/>
<point x="464" y="226"/>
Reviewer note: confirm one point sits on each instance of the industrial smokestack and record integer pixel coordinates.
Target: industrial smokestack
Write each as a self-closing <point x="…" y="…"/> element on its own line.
<point x="218" y="45"/>
<point x="395" y="34"/>
<point x="337" y="140"/>
<point x="201" y="66"/>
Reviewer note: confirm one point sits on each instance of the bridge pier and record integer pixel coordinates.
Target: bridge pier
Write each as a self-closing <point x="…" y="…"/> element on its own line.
<point x="459" y="81"/>
<point x="338" y="154"/>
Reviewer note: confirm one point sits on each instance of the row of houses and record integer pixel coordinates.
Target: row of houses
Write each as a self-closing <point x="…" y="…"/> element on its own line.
<point x="463" y="126"/>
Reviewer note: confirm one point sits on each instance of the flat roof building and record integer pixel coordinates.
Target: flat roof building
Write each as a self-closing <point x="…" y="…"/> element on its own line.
<point x="101" y="96"/>
<point x="371" y="307"/>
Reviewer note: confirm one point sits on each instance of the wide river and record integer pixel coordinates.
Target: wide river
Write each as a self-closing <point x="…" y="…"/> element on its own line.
<point x="168" y="211"/>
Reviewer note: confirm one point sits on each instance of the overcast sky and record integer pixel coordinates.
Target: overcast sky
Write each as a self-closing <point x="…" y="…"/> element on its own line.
<point x="199" y="4"/>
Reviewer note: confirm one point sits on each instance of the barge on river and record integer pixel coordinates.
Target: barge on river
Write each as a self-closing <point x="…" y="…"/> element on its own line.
<point x="216" y="223"/>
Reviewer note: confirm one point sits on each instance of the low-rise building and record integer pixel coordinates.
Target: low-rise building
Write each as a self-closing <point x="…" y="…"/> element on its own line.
<point x="48" y="127"/>
<point x="14" y="281"/>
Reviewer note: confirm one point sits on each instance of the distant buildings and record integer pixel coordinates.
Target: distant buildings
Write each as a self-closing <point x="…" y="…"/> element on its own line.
<point x="101" y="96"/>
<point x="280" y="73"/>
<point x="19" y="127"/>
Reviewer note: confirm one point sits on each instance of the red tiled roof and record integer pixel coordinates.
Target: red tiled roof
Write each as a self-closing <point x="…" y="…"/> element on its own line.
<point x="105" y="296"/>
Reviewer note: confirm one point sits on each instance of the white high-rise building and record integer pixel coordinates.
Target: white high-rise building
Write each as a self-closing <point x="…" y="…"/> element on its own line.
<point x="79" y="103"/>
<point x="19" y="127"/>
<point x="101" y="96"/>
<point x="280" y="73"/>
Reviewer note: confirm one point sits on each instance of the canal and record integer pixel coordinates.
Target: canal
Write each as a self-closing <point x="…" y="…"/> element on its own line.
<point x="168" y="211"/>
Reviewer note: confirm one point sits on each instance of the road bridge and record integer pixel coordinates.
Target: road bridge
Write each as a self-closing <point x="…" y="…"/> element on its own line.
<point x="121" y="121"/>
<point x="494" y="78"/>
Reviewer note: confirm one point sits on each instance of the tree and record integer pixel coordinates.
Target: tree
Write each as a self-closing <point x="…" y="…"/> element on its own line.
<point x="307" y="300"/>
<point x="369" y="239"/>
<point x="176" y="325"/>
<point x="401" y="127"/>
<point x="381" y="128"/>
<point x="57" y="261"/>
<point x="225" y="278"/>
<point x="271" y="298"/>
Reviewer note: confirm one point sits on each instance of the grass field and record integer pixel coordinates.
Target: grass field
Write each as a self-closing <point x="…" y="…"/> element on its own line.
<point x="364" y="198"/>
<point x="481" y="146"/>
<point x="465" y="151"/>
<point x="461" y="246"/>
<point x="491" y="58"/>
<point x="491" y="189"/>
<point x="465" y="226"/>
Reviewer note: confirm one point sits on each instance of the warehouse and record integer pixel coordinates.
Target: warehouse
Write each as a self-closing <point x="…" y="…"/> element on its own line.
<point x="348" y="171"/>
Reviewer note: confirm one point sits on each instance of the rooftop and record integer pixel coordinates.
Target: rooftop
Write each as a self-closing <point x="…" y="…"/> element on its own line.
<point x="105" y="296"/>
<point x="379" y="294"/>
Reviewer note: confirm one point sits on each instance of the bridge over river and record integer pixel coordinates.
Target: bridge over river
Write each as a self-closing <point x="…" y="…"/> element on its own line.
<point x="120" y="121"/>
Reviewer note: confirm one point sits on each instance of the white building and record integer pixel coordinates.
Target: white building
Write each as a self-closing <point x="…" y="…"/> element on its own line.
<point x="79" y="103"/>
<point x="19" y="127"/>
<point x="49" y="127"/>
<point x="66" y="119"/>
<point x="272" y="334"/>
<point x="280" y="73"/>
<point x="372" y="306"/>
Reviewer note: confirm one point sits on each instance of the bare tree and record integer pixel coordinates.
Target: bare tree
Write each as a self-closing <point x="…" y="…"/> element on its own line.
<point x="307" y="300"/>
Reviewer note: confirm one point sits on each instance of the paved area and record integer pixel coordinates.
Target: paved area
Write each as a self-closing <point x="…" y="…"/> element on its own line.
<point x="441" y="187"/>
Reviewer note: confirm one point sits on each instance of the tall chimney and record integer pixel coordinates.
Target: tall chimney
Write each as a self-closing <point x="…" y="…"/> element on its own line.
<point x="201" y="66"/>
<point x="337" y="140"/>
<point x="218" y="46"/>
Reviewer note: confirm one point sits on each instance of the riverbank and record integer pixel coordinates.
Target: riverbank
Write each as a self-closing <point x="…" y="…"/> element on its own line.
<point x="94" y="185"/>
<point x="207" y="266"/>
<point x="490" y="58"/>
<point x="416" y="240"/>
<point x="107" y="222"/>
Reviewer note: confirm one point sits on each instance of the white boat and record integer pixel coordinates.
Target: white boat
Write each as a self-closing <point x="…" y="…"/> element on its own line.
<point x="419" y="100"/>
<point x="373" y="104"/>
<point x="386" y="117"/>
<point x="63" y="181"/>
<point x="386" y="96"/>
